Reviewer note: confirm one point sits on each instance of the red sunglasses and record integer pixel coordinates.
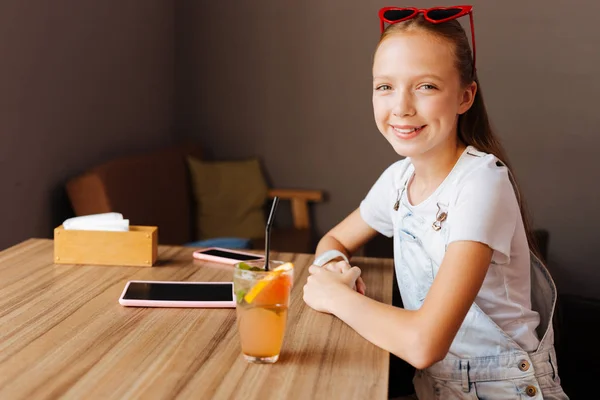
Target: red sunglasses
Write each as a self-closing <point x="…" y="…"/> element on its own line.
<point x="435" y="15"/>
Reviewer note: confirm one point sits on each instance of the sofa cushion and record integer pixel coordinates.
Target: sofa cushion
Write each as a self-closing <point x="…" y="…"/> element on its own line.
<point x="230" y="196"/>
<point x="225" y="242"/>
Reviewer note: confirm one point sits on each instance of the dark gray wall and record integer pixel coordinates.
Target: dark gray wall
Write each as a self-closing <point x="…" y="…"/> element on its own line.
<point x="80" y="82"/>
<point x="292" y="84"/>
<point x="83" y="82"/>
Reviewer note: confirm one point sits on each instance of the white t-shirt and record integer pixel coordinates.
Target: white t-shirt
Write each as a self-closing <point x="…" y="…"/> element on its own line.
<point x="481" y="206"/>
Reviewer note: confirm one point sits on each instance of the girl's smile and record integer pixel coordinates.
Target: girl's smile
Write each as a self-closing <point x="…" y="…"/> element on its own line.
<point x="406" y="132"/>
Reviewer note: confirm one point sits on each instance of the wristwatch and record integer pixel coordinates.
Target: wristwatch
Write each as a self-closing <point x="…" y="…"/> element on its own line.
<point x="328" y="256"/>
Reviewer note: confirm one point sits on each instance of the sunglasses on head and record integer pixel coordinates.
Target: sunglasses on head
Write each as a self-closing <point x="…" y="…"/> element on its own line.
<point x="435" y="15"/>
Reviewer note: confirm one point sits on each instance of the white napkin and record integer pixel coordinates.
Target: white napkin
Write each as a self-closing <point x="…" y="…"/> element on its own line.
<point x="111" y="221"/>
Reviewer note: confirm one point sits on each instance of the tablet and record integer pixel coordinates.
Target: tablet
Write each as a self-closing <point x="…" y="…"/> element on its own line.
<point x="178" y="294"/>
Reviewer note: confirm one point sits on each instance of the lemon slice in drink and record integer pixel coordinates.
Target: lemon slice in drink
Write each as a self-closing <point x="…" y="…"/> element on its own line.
<point x="260" y="285"/>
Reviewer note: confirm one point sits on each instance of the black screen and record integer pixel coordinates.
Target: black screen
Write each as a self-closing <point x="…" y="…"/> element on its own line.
<point x="226" y="254"/>
<point x="179" y="291"/>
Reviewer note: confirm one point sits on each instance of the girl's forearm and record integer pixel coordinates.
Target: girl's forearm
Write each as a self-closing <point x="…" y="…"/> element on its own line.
<point x="328" y="242"/>
<point x="391" y="328"/>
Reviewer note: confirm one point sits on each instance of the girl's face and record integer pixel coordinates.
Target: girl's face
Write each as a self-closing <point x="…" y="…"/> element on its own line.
<point x="417" y="94"/>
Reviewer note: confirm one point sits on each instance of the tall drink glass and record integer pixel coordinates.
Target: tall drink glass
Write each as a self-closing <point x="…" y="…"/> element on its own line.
<point x="263" y="298"/>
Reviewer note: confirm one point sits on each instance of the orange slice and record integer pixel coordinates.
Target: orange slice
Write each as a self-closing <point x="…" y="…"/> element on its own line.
<point x="260" y="285"/>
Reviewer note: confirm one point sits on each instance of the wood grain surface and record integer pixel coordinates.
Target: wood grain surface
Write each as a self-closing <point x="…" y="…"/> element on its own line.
<point x="63" y="334"/>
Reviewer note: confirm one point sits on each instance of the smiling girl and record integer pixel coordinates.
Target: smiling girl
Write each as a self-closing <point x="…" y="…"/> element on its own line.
<point x="478" y="303"/>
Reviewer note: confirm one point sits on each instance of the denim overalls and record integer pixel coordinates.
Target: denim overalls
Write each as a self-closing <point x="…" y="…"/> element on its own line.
<point x="506" y="371"/>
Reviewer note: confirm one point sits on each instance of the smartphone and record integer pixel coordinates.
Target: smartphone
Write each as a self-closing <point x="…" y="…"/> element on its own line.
<point x="178" y="294"/>
<point x="225" y="256"/>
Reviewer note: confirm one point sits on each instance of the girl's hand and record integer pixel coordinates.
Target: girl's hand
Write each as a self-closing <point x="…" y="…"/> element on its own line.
<point x="323" y="286"/>
<point x="343" y="266"/>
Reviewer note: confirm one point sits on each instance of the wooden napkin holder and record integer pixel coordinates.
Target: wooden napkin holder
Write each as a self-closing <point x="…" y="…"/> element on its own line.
<point x="136" y="247"/>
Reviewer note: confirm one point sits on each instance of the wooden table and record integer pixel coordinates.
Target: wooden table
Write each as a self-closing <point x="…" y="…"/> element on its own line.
<point x="64" y="334"/>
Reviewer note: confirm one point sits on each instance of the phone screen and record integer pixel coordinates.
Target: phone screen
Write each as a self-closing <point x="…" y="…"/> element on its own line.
<point x="227" y="254"/>
<point x="160" y="291"/>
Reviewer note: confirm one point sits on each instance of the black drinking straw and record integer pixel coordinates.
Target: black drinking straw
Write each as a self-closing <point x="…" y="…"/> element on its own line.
<point x="268" y="231"/>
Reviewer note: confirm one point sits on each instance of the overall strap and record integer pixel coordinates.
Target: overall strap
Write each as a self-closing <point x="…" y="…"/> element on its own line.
<point x="543" y="300"/>
<point x="402" y="182"/>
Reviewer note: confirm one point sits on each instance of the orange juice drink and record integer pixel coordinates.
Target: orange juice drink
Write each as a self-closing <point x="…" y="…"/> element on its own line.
<point x="262" y="304"/>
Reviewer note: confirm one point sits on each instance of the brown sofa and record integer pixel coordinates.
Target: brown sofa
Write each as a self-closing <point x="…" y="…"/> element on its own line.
<point x="155" y="189"/>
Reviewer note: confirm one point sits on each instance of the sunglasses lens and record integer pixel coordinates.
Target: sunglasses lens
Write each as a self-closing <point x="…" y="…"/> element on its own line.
<point x="397" y="15"/>
<point x="438" y="15"/>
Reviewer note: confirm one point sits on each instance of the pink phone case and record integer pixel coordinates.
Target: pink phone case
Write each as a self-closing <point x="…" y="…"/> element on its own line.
<point x="178" y="304"/>
<point x="201" y="256"/>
